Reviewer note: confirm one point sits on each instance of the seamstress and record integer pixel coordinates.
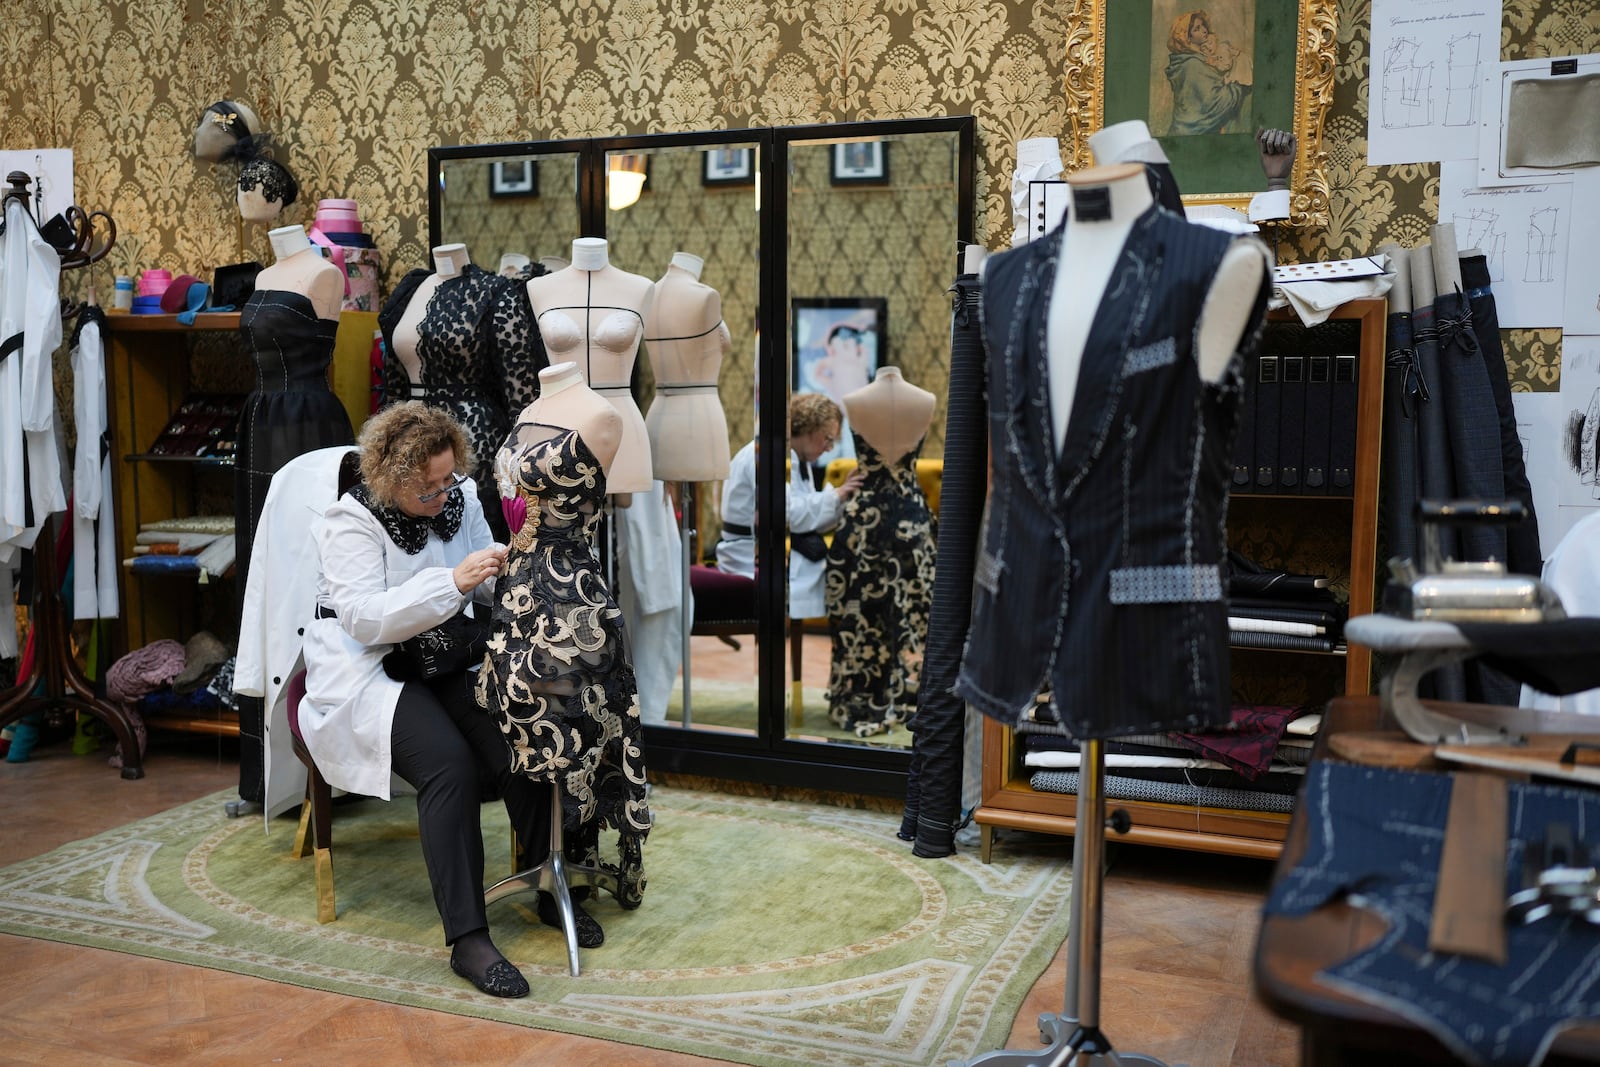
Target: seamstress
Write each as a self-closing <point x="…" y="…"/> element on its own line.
<point x="813" y="429"/>
<point x="401" y="553"/>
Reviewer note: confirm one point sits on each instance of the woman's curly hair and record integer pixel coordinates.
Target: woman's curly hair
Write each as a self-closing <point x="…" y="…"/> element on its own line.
<point x="811" y="411"/>
<point x="397" y="444"/>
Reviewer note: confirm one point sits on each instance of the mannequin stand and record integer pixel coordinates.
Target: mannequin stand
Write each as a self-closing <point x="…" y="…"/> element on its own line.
<point x="555" y="876"/>
<point x="1075" y="1036"/>
<point x="685" y="610"/>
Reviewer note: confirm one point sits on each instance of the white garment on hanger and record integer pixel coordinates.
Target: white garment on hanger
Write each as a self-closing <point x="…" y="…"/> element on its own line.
<point x="94" y="548"/>
<point x="650" y="592"/>
<point x="30" y="293"/>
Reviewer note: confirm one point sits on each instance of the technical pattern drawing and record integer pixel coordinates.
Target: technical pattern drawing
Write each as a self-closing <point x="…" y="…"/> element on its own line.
<point x="1407" y="86"/>
<point x="1461" y="81"/>
<point x="1542" y="235"/>
<point x="1480" y="228"/>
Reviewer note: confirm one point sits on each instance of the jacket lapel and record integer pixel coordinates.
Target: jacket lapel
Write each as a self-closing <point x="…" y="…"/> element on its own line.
<point x="1027" y="376"/>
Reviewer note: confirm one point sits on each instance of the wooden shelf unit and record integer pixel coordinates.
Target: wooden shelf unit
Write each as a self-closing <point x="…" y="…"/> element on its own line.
<point x="1007" y="800"/>
<point x="149" y="373"/>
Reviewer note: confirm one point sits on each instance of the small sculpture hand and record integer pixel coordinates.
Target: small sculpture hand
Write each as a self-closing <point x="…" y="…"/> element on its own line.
<point x="1277" y="156"/>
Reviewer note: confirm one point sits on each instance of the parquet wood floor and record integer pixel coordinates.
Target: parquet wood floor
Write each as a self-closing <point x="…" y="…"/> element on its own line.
<point x="1179" y="933"/>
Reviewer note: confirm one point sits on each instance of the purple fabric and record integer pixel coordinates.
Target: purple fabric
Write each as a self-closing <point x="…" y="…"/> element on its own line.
<point x="144" y="670"/>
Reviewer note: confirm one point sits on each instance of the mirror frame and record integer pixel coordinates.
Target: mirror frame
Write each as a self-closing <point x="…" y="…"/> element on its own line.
<point x="769" y="756"/>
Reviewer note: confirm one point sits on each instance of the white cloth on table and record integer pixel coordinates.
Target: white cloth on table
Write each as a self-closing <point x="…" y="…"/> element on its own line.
<point x="1573" y="572"/>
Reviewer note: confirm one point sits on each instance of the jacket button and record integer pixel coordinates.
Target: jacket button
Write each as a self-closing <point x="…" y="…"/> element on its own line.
<point x="276" y="680"/>
<point x="301" y="631"/>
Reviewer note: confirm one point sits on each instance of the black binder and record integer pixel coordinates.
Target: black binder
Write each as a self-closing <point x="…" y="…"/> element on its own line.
<point x="1319" y="399"/>
<point x="1342" y="428"/>
<point x="1266" y="435"/>
<point x="1245" y="443"/>
<point x="1291" y="422"/>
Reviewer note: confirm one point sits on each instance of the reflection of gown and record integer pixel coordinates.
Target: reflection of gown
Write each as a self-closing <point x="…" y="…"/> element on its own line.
<point x="292" y="411"/>
<point x="879" y="589"/>
<point x="557" y="675"/>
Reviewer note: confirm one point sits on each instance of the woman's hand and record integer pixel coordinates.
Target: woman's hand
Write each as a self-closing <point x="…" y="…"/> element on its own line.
<point x="478" y="567"/>
<point x="852" y="482"/>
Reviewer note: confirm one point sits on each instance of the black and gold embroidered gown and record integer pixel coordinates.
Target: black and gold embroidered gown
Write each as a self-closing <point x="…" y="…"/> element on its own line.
<point x="557" y="674"/>
<point x="879" y="588"/>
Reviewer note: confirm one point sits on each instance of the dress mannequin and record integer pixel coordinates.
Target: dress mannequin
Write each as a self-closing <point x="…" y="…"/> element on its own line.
<point x="513" y="263"/>
<point x="565" y="400"/>
<point x="300" y="269"/>
<point x="1126" y="142"/>
<point x="288" y="326"/>
<point x="461" y="338"/>
<point x="1095" y="244"/>
<point x="687" y="427"/>
<point x="890" y="414"/>
<point x="592" y="313"/>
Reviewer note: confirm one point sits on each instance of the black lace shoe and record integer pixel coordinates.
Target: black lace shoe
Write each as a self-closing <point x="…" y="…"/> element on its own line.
<point x="499" y="979"/>
<point x="589" y="933"/>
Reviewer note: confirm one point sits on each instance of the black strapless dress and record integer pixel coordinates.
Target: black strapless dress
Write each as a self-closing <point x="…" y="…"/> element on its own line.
<point x="292" y="411"/>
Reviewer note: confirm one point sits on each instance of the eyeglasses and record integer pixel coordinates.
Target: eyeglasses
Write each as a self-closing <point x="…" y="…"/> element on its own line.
<point x="455" y="483"/>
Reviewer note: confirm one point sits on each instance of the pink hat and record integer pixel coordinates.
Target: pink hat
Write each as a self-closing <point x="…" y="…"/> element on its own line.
<point x="173" y="298"/>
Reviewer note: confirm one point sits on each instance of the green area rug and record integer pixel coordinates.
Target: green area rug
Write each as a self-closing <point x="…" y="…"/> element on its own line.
<point x="772" y="933"/>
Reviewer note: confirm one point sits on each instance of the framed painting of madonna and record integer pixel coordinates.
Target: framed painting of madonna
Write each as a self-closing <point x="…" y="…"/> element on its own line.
<point x="1205" y="75"/>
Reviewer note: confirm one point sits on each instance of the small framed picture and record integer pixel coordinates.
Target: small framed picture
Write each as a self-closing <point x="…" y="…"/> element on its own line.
<point x="730" y="166"/>
<point x="513" y="178"/>
<point x="860" y="163"/>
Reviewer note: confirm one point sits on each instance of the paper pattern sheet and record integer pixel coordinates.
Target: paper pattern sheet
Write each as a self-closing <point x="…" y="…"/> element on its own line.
<point x="1537" y="415"/>
<point x="1523" y="231"/>
<point x="1579" y="425"/>
<point x="1428" y="58"/>
<point x="1583" y="276"/>
<point x="51" y="171"/>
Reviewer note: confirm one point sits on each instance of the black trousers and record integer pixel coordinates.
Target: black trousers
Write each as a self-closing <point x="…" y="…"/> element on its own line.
<point x="453" y="753"/>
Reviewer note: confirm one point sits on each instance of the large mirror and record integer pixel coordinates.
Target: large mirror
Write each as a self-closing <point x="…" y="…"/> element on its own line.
<point x="829" y="251"/>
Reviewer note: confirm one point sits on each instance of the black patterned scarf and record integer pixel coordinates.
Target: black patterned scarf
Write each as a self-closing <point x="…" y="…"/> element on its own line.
<point x="410" y="532"/>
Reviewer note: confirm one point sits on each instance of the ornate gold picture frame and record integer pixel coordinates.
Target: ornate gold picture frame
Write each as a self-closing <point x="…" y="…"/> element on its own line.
<point x="1133" y="63"/>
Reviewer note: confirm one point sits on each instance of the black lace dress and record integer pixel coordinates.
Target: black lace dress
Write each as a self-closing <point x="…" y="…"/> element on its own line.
<point x="479" y="359"/>
<point x="291" y="411"/>
<point x="557" y="674"/>
<point x="878" y="589"/>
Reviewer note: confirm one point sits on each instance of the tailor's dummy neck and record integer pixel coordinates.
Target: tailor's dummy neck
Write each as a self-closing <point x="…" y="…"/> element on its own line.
<point x="450" y="260"/>
<point x="558" y="378"/>
<point x="688" y="262"/>
<point x="887" y="374"/>
<point x="589" y="253"/>
<point x="289" y="241"/>
<point x="1129" y="196"/>
<point x="1126" y="142"/>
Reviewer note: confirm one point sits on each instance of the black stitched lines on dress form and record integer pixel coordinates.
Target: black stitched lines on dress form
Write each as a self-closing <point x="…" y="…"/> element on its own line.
<point x="588" y="306"/>
<point x="685" y="337"/>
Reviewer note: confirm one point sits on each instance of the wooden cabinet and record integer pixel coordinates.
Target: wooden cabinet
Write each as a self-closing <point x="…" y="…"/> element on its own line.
<point x="1338" y="533"/>
<point x="153" y="363"/>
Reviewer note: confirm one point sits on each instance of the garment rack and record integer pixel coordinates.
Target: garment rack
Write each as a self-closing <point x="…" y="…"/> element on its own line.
<point x="55" y="670"/>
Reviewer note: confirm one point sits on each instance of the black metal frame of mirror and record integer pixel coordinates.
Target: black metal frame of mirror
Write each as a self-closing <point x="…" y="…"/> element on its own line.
<point x="770" y="755"/>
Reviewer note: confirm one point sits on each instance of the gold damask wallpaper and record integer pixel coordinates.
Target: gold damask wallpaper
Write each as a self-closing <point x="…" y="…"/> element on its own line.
<point x="357" y="90"/>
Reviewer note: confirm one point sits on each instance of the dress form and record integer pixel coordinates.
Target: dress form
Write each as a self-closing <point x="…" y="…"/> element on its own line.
<point x="890" y="414"/>
<point x="565" y="400"/>
<point x="687" y="427"/>
<point x="1126" y="142"/>
<point x="301" y="269"/>
<point x="1094" y="237"/>
<point x="448" y="262"/>
<point x="592" y="314"/>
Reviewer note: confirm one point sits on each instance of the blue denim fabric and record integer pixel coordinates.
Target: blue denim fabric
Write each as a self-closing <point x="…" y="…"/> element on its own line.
<point x="1100" y="577"/>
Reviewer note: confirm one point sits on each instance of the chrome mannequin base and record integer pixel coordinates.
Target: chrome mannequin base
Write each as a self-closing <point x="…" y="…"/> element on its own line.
<point x="557" y="877"/>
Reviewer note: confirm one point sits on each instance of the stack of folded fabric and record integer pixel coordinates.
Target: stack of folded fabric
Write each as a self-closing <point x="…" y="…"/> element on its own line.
<point x="1255" y="763"/>
<point x="202" y="545"/>
<point x="338" y="228"/>
<point x="1281" y="609"/>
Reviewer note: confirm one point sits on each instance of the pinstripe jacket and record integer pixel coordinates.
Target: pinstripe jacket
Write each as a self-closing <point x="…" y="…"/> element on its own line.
<point x="1100" y="574"/>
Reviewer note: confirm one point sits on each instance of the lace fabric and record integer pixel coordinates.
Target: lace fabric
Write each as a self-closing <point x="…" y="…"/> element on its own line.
<point x="557" y="675"/>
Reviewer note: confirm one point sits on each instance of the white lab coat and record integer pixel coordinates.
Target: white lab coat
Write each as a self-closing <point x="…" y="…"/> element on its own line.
<point x="94" y="547"/>
<point x="1573" y="572"/>
<point x="30" y="293"/>
<point x="382" y="596"/>
<point x="283" y="560"/>
<point x="651" y="592"/>
<point x="807" y="508"/>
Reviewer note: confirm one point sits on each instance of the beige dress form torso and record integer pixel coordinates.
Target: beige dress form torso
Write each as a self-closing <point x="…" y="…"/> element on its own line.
<point x="687" y="427"/>
<point x="890" y="414"/>
<point x="595" y="319"/>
